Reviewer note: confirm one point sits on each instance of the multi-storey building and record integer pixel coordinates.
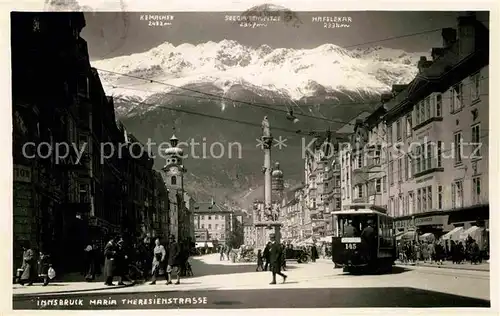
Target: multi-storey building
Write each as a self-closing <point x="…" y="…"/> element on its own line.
<point x="215" y="218"/>
<point x="350" y="162"/>
<point x="293" y="214"/>
<point x="248" y="231"/>
<point x="438" y="172"/>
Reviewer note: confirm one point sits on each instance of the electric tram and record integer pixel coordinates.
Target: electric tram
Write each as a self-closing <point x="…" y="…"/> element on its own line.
<point x="364" y="239"/>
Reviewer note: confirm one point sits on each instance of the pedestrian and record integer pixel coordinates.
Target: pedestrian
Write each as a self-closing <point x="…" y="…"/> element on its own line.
<point x="89" y="263"/>
<point x="221" y="253"/>
<point x="369" y="240"/>
<point x="173" y="260"/>
<point x="110" y="253"/>
<point x="43" y="267"/>
<point x="276" y="257"/>
<point x="314" y="253"/>
<point x="228" y="251"/>
<point x="283" y="257"/>
<point x="28" y="268"/>
<point x="260" y="261"/>
<point x="159" y="255"/>
<point x="266" y="256"/>
<point x="122" y="262"/>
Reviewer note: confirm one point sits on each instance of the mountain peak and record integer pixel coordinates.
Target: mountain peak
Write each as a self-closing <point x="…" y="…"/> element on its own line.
<point x="298" y="73"/>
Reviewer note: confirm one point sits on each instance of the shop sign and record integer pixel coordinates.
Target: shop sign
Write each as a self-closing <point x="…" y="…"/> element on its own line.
<point x="22" y="174"/>
<point x="429" y="220"/>
<point x="405" y="223"/>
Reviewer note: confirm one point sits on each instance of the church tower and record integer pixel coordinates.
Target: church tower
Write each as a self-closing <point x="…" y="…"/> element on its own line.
<point x="174" y="169"/>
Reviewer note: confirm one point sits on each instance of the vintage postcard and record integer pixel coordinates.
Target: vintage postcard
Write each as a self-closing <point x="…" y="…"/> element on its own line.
<point x="259" y="158"/>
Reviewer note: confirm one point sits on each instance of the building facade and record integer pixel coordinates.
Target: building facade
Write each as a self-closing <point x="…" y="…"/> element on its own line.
<point x="215" y="219"/>
<point x="441" y="121"/>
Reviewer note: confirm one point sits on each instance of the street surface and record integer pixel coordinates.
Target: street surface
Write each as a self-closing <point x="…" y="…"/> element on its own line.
<point x="222" y="284"/>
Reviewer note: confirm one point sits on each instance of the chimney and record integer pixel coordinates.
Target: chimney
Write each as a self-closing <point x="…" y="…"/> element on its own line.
<point x="423" y="63"/>
<point x="437" y="52"/>
<point x="397" y="88"/>
<point x="467" y="33"/>
<point x="449" y="35"/>
<point x="385" y="97"/>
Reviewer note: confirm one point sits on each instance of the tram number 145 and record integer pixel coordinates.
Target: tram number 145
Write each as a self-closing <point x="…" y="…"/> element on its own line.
<point x="350" y="246"/>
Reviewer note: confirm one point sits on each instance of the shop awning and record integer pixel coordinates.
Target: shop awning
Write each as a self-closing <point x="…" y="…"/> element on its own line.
<point x="202" y="244"/>
<point x="427" y="237"/>
<point x="409" y="235"/>
<point x="454" y="234"/>
<point x="474" y="231"/>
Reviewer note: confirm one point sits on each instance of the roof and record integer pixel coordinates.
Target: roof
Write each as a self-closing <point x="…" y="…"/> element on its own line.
<point x="349" y="127"/>
<point x="210" y="208"/>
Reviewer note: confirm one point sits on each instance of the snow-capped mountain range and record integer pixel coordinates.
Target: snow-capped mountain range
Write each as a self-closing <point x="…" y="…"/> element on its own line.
<point x="293" y="73"/>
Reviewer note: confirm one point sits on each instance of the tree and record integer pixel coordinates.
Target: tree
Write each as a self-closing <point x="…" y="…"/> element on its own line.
<point x="236" y="237"/>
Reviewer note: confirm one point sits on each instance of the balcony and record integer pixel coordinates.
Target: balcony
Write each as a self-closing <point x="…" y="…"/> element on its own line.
<point x="427" y="166"/>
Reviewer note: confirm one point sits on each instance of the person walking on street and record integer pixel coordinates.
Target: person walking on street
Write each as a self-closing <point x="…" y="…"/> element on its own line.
<point x="28" y="268"/>
<point x="221" y="253"/>
<point x="314" y="253"/>
<point x="89" y="263"/>
<point x="276" y="257"/>
<point x="43" y="267"/>
<point x="260" y="261"/>
<point x="159" y="255"/>
<point x="266" y="255"/>
<point x="173" y="261"/>
<point x="110" y="253"/>
<point x="122" y="262"/>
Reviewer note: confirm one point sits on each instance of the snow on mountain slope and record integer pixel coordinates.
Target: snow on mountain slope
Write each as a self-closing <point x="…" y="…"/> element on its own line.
<point x="296" y="73"/>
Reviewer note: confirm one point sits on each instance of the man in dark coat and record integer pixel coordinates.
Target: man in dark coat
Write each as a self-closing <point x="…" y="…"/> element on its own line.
<point x="350" y="230"/>
<point x="29" y="270"/>
<point x="369" y="238"/>
<point x="275" y="258"/>
<point x="314" y="253"/>
<point x="110" y="253"/>
<point x="173" y="260"/>
<point x="266" y="255"/>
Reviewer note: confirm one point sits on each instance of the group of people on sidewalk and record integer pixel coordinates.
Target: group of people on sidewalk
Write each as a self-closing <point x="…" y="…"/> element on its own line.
<point x="34" y="268"/>
<point x="437" y="251"/>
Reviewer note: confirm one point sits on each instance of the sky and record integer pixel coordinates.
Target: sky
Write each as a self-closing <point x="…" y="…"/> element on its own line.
<point x="111" y="34"/>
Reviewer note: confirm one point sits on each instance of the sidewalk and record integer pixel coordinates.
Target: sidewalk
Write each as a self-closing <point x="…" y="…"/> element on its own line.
<point x="450" y="265"/>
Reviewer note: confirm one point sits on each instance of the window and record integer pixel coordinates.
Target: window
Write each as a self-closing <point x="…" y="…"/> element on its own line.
<point x="338" y="204"/>
<point x="359" y="161"/>
<point x="440" y="154"/>
<point x="422" y="111"/>
<point x="456" y="97"/>
<point x="83" y="86"/>
<point x="410" y="203"/>
<point x="389" y="133"/>
<point x="457" y="196"/>
<point x="476" y="142"/>
<point x="378" y="185"/>
<point x="400" y="205"/>
<point x="216" y="217"/>
<point x="429" y="155"/>
<point x="409" y="125"/>
<point x="36" y="24"/>
<point x="216" y="226"/>
<point x="209" y="226"/>
<point x="417" y="113"/>
<point x="440" y="197"/>
<point x="419" y="198"/>
<point x="439" y="104"/>
<point x="202" y="217"/>
<point x="457" y="147"/>
<point x="391" y="206"/>
<point x="428" y="107"/>
<point x="391" y="172"/>
<point x="424" y="199"/>
<point x="429" y="197"/>
<point x="83" y="193"/>
<point x="173" y="180"/>
<point x="400" y="169"/>
<point x="398" y="129"/>
<point x="476" y="87"/>
<point x="359" y="190"/>
<point x="476" y="190"/>
<point x="409" y="169"/>
<point x="385" y="183"/>
<point x="202" y="225"/>
<point x="209" y="217"/>
<point x="222" y="236"/>
<point x="417" y="159"/>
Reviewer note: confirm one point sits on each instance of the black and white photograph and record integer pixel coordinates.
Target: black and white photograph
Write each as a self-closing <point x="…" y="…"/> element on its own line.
<point x="250" y="159"/>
